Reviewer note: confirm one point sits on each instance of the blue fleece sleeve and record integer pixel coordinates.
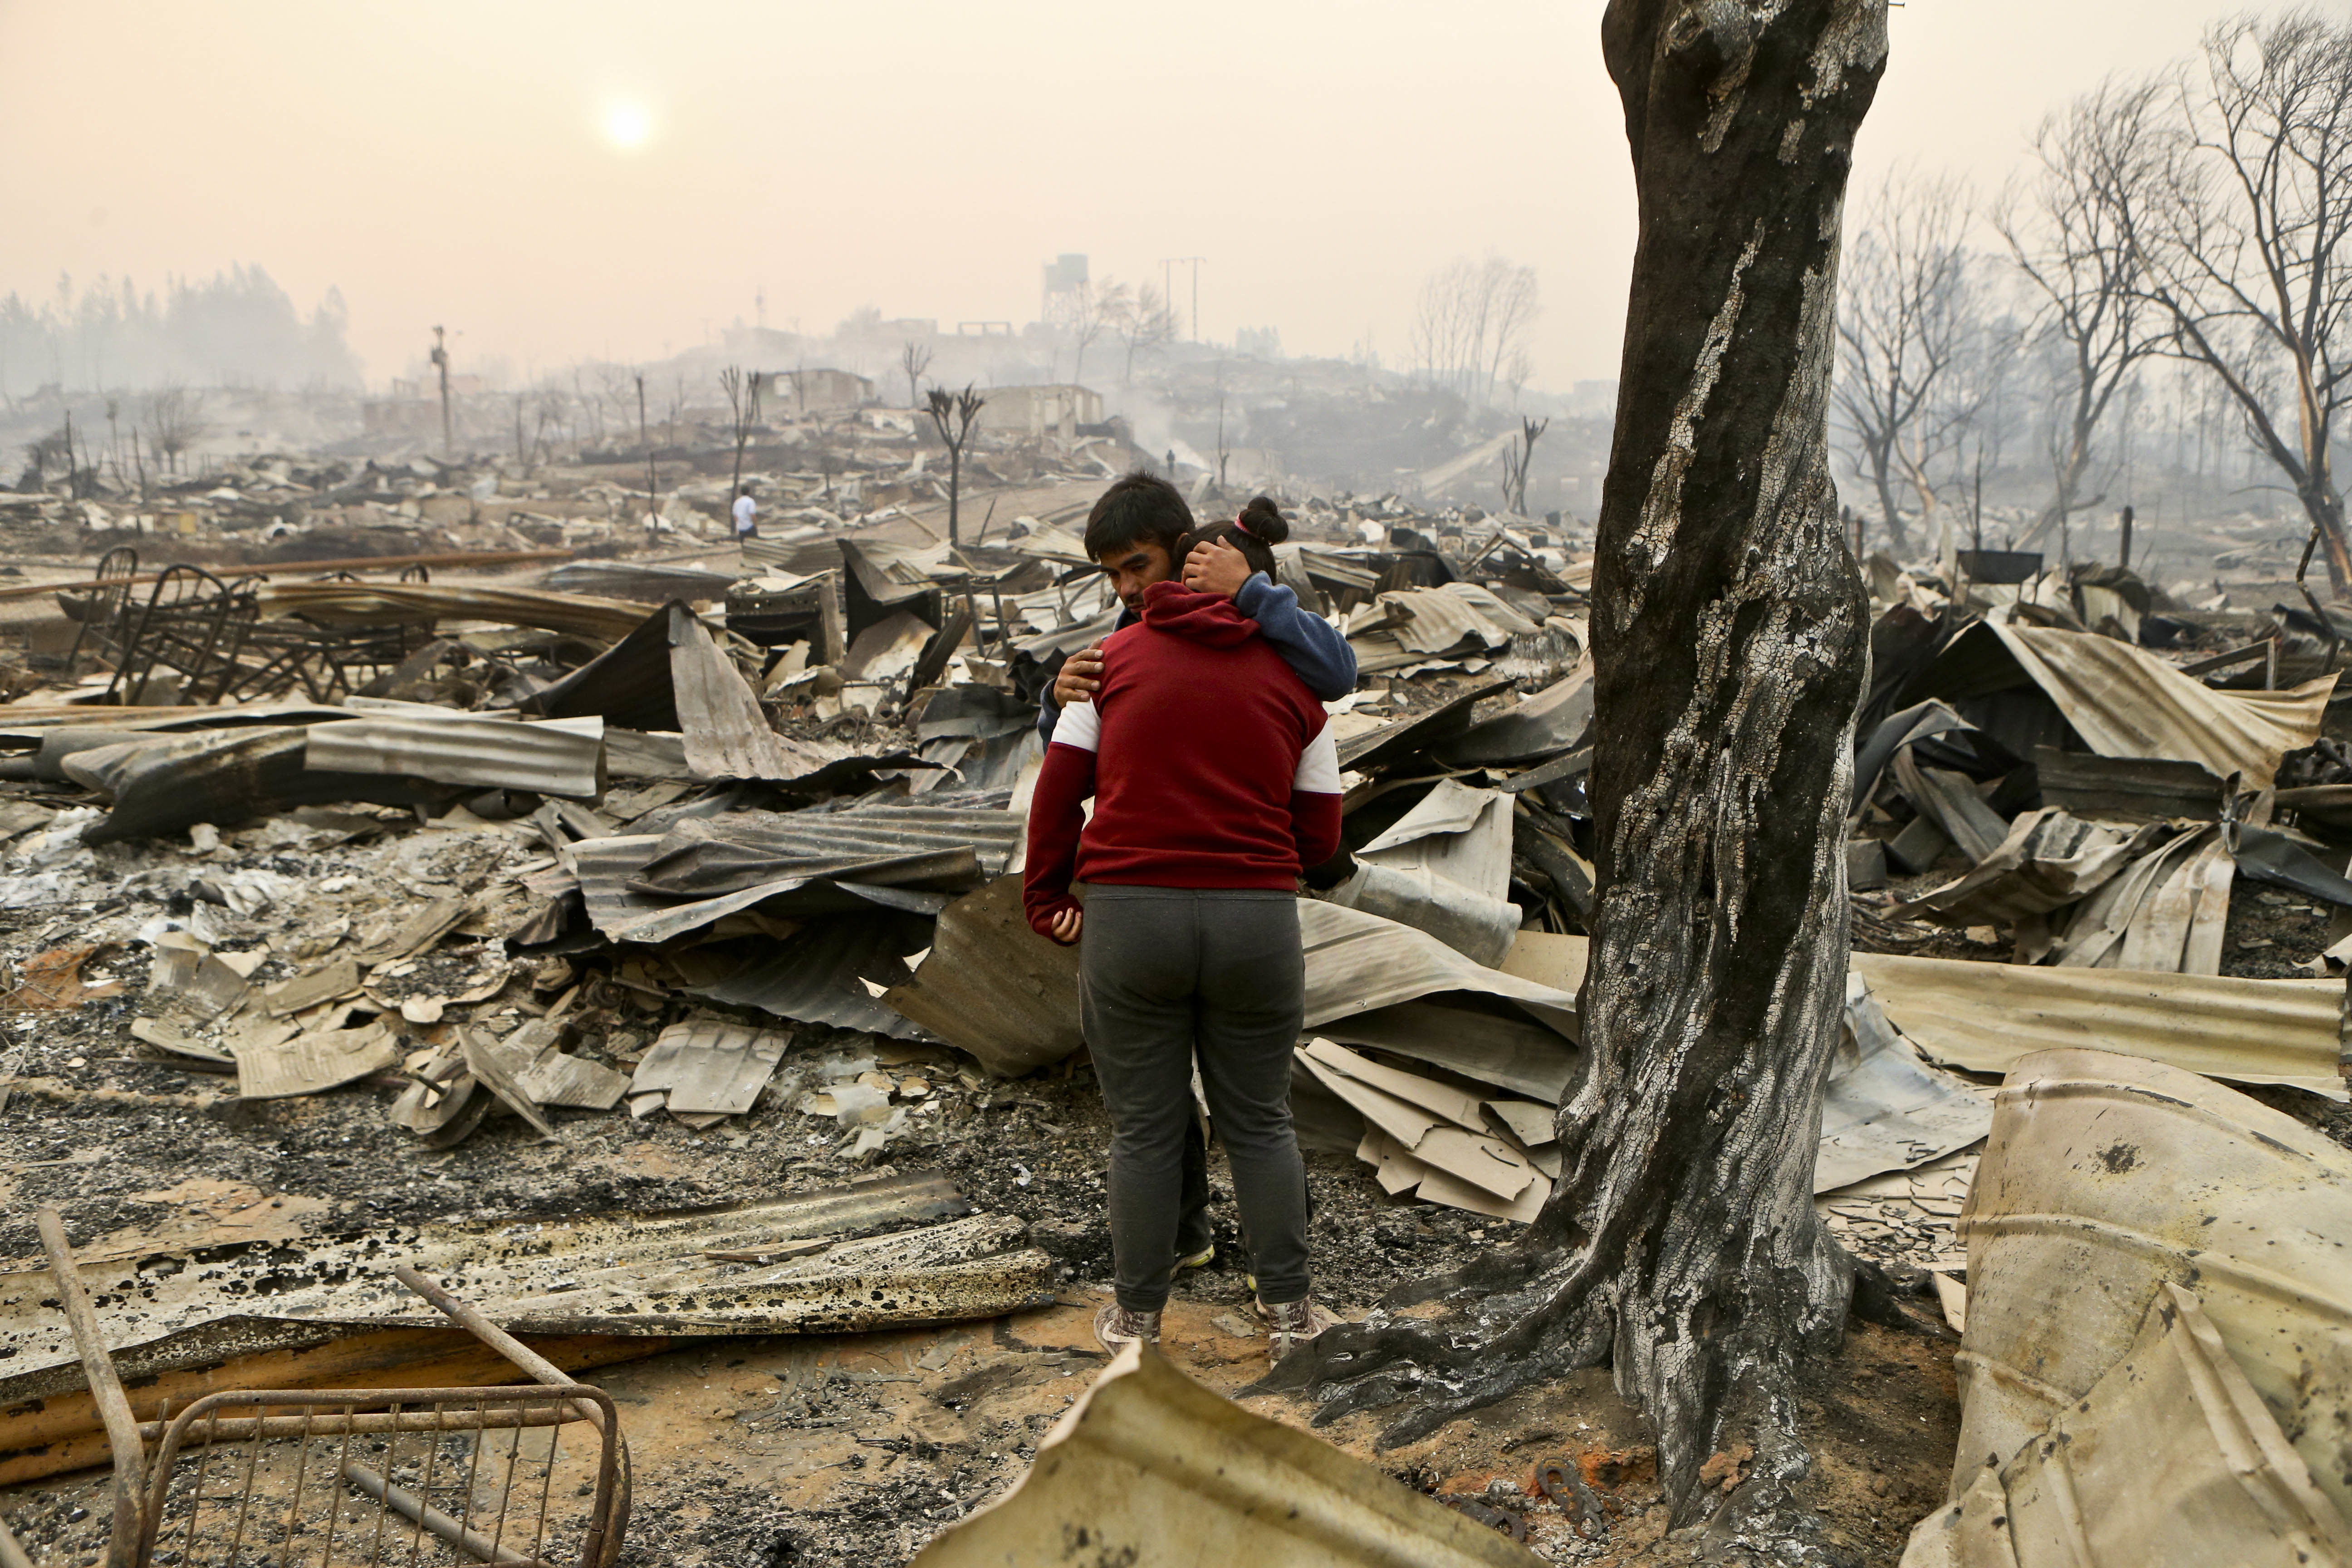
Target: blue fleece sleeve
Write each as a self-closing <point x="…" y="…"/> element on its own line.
<point x="1308" y="643"/>
<point x="1048" y="715"/>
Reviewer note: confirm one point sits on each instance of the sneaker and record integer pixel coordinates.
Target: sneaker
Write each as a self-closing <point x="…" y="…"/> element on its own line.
<point x="1290" y="1325"/>
<point x="1116" y="1328"/>
<point x="1200" y="1259"/>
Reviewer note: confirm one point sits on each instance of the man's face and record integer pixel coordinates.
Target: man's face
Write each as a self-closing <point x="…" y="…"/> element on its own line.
<point x="1135" y="567"/>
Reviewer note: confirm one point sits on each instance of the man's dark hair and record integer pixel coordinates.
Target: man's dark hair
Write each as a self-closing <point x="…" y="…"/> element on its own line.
<point x="1138" y="507"/>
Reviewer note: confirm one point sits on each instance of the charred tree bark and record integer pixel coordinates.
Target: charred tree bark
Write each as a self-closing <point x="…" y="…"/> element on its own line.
<point x="1729" y="636"/>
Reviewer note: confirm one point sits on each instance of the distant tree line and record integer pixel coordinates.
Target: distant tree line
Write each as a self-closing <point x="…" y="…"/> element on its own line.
<point x="2173" y="265"/>
<point x="235" y="329"/>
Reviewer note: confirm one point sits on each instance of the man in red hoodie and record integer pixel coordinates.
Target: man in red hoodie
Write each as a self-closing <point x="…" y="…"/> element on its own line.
<point x="1215" y="780"/>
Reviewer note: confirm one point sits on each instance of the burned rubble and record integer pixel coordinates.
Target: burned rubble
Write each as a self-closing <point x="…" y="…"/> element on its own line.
<point x="621" y="926"/>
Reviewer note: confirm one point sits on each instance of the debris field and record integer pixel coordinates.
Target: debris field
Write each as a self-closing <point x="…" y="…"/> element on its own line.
<point x="621" y="928"/>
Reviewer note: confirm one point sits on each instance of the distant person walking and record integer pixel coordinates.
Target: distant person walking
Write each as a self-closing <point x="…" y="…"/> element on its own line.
<point x="747" y="515"/>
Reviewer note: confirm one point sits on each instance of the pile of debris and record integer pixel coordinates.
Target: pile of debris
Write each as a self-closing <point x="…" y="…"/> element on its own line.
<point x="698" y="843"/>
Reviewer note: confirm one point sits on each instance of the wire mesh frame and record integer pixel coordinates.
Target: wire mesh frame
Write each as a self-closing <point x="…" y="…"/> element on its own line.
<point x="223" y="1437"/>
<point x="321" y="657"/>
<point x="193" y="622"/>
<point x="102" y="623"/>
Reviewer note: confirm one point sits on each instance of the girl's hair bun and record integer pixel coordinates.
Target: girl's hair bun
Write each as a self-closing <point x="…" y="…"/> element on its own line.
<point x="1263" y="518"/>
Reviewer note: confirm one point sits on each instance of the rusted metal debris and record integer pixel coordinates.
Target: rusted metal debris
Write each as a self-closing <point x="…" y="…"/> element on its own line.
<point x="280" y="1473"/>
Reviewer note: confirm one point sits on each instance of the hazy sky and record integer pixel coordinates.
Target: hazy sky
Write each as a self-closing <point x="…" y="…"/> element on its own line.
<point x="459" y="162"/>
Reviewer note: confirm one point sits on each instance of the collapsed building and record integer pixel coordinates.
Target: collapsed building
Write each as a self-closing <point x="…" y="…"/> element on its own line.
<point x="554" y="830"/>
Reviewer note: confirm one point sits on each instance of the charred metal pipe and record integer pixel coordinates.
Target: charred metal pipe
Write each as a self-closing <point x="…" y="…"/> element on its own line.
<point x="105" y="1390"/>
<point x="418" y="1511"/>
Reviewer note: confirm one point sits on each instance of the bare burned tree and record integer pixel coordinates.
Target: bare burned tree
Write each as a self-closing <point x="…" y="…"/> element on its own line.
<point x="2066" y="231"/>
<point x="743" y="417"/>
<point x="1145" y="322"/>
<point x="914" y="358"/>
<point x="1728" y="625"/>
<point x="953" y="413"/>
<point x="2242" y="243"/>
<point x="1515" y="464"/>
<point x="1902" y="326"/>
<point x="1092" y="313"/>
<point x="174" y="421"/>
<point x="1470" y="321"/>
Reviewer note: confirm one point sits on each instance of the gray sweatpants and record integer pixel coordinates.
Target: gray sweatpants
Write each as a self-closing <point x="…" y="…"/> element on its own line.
<point x="1166" y="973"/>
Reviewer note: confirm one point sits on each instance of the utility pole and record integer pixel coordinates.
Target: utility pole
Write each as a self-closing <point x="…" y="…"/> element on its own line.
<point x="653" y="495"/>
<point x="441" y="363"/>
<point x="1168" y="285"/>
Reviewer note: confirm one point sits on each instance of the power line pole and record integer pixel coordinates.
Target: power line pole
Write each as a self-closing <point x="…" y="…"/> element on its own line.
<point x="1194" y="263"/>
<point x="441" y="363"/>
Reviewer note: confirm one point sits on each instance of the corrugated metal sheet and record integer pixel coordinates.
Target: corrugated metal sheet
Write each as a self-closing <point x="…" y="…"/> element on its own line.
<point x="160" y="787"/>
<point x="1373" y="982"/>
<point x="627" y="1274"/>
<point x="993" y="988"/>
<point x="628" y="683"/>
<point x="816" y="975"/>
<point x="876" y="830"/>
<point x="1404" y="738"/>
<point x="607" y="867"/>
<point x="557" y="756"/>
<point x="2126" y="703"/>
<point x="2104" y="1178"/>
<point x="1151" y="1470"/>
<point x="1452" y="618"/>
<point x="1544" y="725"/>
<point x="1986" y="1016"/>
<point x="646" y="583"/>
<point x="375" y="604"/>
<point x="727" y="735"/>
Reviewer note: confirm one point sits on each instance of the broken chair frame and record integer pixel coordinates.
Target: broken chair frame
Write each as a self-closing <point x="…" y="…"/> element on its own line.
<point x="104" y="621"/>
<point x="203" y="627"/>
<point x="273" y="1528"/>
<point x="323" y="657"/>
<point x="193" y="622"/>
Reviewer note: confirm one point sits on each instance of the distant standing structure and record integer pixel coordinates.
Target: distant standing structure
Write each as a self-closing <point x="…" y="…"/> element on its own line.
<point x="1065" y="289"/>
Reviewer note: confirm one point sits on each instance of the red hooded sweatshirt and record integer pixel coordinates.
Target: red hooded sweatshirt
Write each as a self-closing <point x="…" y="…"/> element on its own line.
<point x="1211" y="763"/>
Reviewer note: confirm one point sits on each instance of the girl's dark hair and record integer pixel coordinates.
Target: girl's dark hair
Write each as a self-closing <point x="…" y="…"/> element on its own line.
<point x="1138" y="506"/>
<point x="1254" y="533"/>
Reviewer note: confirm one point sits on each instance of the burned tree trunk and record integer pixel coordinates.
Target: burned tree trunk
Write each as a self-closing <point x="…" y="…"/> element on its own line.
<point x="1729" y="634"/>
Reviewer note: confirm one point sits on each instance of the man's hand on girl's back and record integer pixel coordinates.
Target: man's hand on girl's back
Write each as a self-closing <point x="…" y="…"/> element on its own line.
<point x="1080" y="678"/>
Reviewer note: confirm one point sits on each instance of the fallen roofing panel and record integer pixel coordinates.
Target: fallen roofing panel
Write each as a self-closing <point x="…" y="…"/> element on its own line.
<point x="624" y="1273"/>
<point x="1549" y="722"/>
<point x="709" y="1066"/>
<point x="558" y="756"/>
<point x="2048" y="860"/>
<point x="817" y="975"/>
<point x="1151" y="1470"/>
<point x="727" y="735"/>
<point x="712" y="854"/>
<point x="1405" y="737"/>
<point x="992" y="987"/>
<point x="2126" y="703"/>
<point x="1883" y="1107"/>
<point x="2106" y="1177"/>
<point x="2171" y="1457"/>
<point x="1987" y="1017"/>
<point x="375" y="604"/>
<point x="1373" y="982"/>
<point x="225" y="777"/>
<point x="1444" y="869"/>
